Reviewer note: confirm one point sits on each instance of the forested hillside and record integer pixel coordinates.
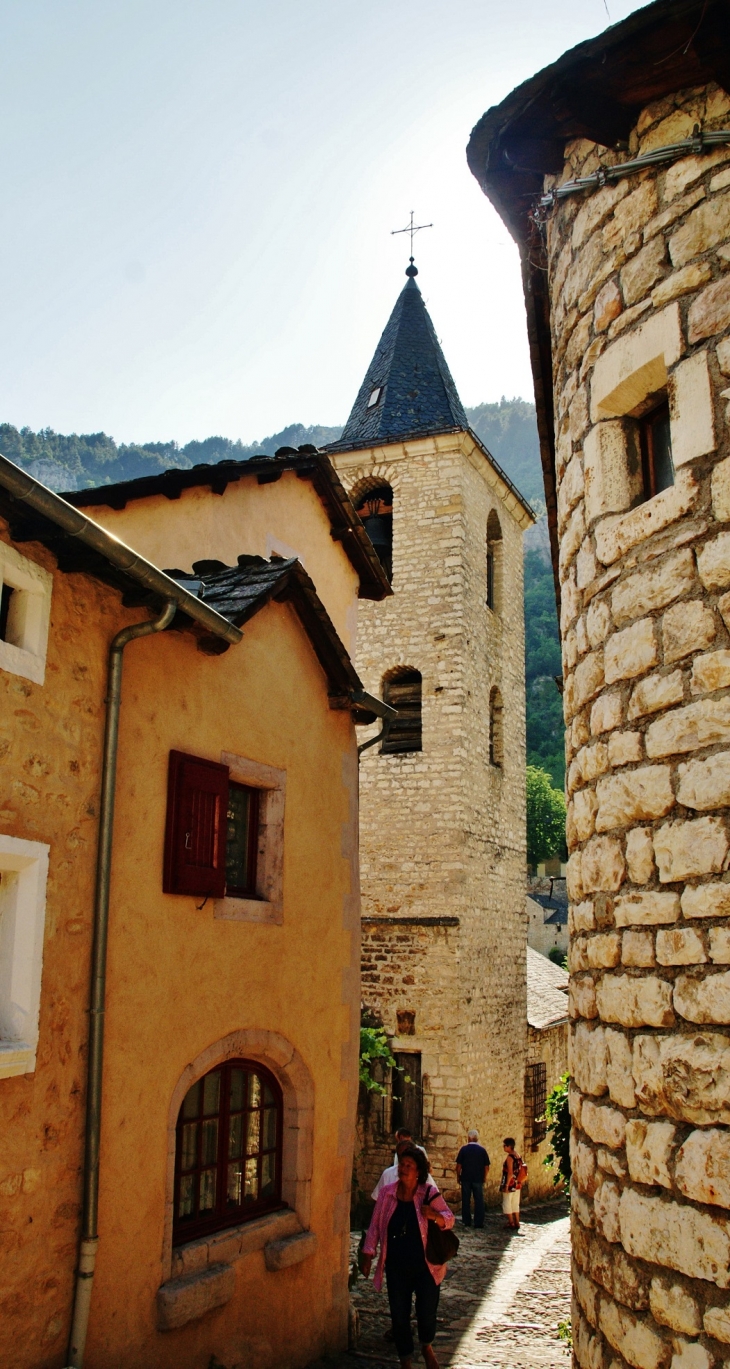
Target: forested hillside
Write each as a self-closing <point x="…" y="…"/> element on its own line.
<point x="509" y="431"/>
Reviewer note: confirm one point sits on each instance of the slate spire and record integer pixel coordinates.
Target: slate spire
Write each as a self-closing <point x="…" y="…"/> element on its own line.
<point x="408" y="390"/>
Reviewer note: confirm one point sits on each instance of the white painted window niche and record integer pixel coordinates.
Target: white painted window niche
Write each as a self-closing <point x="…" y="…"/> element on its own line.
<point x="25" y="638"/>
<point x="23" y="878"/>
<point x="268" y="905"/>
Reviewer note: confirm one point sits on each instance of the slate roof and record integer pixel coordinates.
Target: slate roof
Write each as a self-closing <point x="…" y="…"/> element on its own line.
<point x="554" y="905"/>
<point x="419" y="395"/>
<point x="238" y="592"/>
<point x="307" y="462"/>
<point x="547" y="996"/>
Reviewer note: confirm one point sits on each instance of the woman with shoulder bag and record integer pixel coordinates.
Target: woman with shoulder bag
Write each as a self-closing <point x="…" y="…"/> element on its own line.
<point x="400" y="1226"/>
<point x="514" y="1173"/>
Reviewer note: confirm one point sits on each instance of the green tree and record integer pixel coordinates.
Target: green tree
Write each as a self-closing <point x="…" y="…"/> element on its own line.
<point x="557" y="1115"/>
<point x="374" y="1049"/>
<point x="545" y="817"/>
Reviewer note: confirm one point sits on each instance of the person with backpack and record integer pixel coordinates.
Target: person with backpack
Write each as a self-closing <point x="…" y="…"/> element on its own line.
<point x="514" y="1173"/>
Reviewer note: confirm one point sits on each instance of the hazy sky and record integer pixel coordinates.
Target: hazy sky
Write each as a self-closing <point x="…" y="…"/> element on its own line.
<point x="198" y="198"/>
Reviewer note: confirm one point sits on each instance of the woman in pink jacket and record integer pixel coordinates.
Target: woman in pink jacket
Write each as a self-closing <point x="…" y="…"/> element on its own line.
<point x="400" y="1227"/>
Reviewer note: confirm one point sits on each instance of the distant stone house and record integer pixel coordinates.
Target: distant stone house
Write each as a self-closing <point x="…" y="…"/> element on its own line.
<point x="547" y="917"/>
<point x="612" y="171"/>
<point x="547" y="1061"/>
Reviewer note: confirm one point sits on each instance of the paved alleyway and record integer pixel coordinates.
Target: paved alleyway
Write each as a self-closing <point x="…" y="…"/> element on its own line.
<point x="500" y="1303"/>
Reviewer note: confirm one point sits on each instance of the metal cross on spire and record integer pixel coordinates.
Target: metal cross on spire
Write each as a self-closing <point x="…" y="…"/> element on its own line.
<point x="411" y="228"/>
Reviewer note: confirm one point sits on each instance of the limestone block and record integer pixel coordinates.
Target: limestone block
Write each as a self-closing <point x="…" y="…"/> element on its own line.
<point x="575" y="1103"/>
<point x="588" y="678"/>
<point x="587" y="1348"/>
<point x="634" y="1340"/>
<point x="675" y="1235"/>
<point x="612" y="470"/>
<point x="633" y="1002"/>
<point x="707" y="225"/>
<point x="649" y="1148"/>
<point x="180" y="1301"/>
<point x="578" y="413"/>
<point x="606" y="1126"/>
<point x="581" y="637"/>
<point x="604" y="951"/>
<point x="573" y="535"/>
<point x="635" y="365"/>
<point x="569" y="604"/>
<point x="684" y="1076"/>
<point x="691" y="410"/>
<point x="650" y="590"/>
<point x="706" y="900"/>
<point x="689" y="728"/>
<point x="574" y="877"/>
<point x="655" y="693"/>
<point x="710" y="312"/>
<point x="630" y="316"/>
<point x="624" y="748"/>
<point x="594" y="210"/>
<point x="619" y="1076"/>
<point x="702" y="1170"/>
<point x="582" y="997"/>
<point x="610" y="1266"/>
<point x="682" y="173"/>
<point x="292" y="1250"/>
<point x="680" y="946"/>
<point x="670" y="129"/>
<point x="647" y="908"/>
<point x="583" y="1165"/>
<point x="639" y="852"/>
<point x="713" y="561"/>
<point x="723" y="356"/>
<point x="643" y="270"/>
<point x="721" y="181"/>
<point x="584" y="918"/>
<point x="632" y="796"/>
<point x="721" y="490"/>
<point x="717" y="1323"/>
<point x="577" y="954"/>
<point x="689" y="626"/>
<point x="638" y="950"/>
<point x="598" y="622"/>
<point x="581" y="1207"/>
<point x="594" y="761"/>
<point x="571" y="489"/>
<point x="672" y="1305"/>
<point x="681" y="282"/>
<point x="705" y="784"/>
<point x="602" y="865"/>
<point x="703" y="1000"/>
<point x="577" y="344"/>
<point x="616" y="536"/>
<point x="587" y="1293"/>
<point x="723" y="604"/>
<point x="630" y="215"/>
<point x="609" y="304"/>
<point x="686" y="849"/>
<point x="605" y="1209"/>
<point x="612" y="1162"/>
<point x="719" y="938"/>
<point x="631" y="652"/>
<point x="582" y="814"/>
<point x="690" y="1355"/>
<point x="580" y="730"/>
<point x="606" y="712"/>
<point x="710" y="672"/>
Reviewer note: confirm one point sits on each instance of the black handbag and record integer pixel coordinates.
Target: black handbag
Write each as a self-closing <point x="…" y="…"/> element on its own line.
<point x="441" y="1245"/>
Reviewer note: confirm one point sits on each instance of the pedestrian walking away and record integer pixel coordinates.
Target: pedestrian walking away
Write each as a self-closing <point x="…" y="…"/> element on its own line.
<point x="399" y="1230"/>
<point x="514" y="1173"/>
<point x="472" y="1167"/>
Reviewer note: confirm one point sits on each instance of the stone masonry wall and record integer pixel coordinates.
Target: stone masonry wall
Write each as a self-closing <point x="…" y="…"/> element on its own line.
<point x="442" y="830"/>
<point x="551" y="1047"/>
<point x="641" y="302"/>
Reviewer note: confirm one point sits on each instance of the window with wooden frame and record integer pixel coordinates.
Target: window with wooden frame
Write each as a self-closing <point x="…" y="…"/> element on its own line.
<point x="375" y="508"/>
<point x="655" y="440"/>
<point x="403" y="691"/>
<point x="212" y="831"/>
<point x="228" y="1150"/>
<point x="407" y="1093"/>
<point x="535" y="1101"/>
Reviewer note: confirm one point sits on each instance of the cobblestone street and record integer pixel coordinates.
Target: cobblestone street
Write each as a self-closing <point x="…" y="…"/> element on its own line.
<point x="500" y="1303"/>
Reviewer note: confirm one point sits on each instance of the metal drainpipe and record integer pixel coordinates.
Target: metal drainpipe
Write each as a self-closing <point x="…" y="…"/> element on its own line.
<point x="89" y="1233"/>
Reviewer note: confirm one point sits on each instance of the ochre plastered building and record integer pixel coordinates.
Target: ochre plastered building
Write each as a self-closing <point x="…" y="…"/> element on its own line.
<point x="627" y="291"/>
<point x="195" y="982"/>
<point x="442" y="832"/>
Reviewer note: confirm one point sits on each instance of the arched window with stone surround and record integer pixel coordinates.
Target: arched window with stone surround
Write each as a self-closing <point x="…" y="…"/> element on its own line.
<point x="373" y="500"/>
<point x="494" y="563"/>
<point x="402" y="689"/>
<point x="496" y="728"/>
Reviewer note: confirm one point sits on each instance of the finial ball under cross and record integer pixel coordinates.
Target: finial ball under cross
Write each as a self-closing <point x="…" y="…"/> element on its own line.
<point x="411" y="228"/>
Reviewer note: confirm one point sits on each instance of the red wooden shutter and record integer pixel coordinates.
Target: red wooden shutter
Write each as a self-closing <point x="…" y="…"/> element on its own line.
<point x="195" y="835"/>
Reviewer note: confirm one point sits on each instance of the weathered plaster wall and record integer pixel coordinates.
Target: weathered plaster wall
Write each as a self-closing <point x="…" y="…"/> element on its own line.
<point x="641" y="299"/>
<point x="179" y="980"/>
<point x="442" y="830"/>
<point x="286" y="517"/>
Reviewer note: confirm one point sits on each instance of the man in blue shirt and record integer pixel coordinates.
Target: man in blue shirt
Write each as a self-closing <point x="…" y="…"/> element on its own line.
<point x="472" y="1165"/>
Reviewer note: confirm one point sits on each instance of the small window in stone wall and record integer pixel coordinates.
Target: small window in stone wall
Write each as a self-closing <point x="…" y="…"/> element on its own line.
<point x="496" y="726"/>
<point x="406" y="1093"/>
<point x="655" y="440"/>
<point x="403" y="692"/>
<point x="535" y="1100"/>
<point x="494" y="563"/>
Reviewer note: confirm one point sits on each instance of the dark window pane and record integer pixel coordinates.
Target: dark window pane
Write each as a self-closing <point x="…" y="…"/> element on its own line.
<point x="241" y="841"/>
<point x="268" y="1175"/>
<point x="269" y="1137"/>
<point x="211" y="1093"/>
<point x="191" y="1106"/>
<point x="268" y="1095"/>
<point x="238" y="1078"/>
<point x="185" y="1201"/>
<point x="209" y="1147"/>
<point x="189" y="1151"/>
<point x="207" y="1190"/>
<point x="235" y="1183"/>
<point x="663" y="466"/>
<point x="252" y="1181"/>
<point x="235" y="1137"/>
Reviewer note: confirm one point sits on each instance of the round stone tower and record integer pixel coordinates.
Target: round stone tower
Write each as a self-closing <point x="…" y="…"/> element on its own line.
<point x="628" y="296"/>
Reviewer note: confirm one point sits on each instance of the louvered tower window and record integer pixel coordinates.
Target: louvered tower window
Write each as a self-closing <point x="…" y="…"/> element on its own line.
<point x="403" y="692"/>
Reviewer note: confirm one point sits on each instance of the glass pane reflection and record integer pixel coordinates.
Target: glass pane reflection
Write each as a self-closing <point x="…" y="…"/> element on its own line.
<point x="189" y="1151"/>
<point x="235" y="1179"/>
<point x="252" y="1181"/>
<point x="207" y="1190"/>
<point x="238" y="1078"/>
<point x="209" y="1148"/>
<point x="211" y="1093"/>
